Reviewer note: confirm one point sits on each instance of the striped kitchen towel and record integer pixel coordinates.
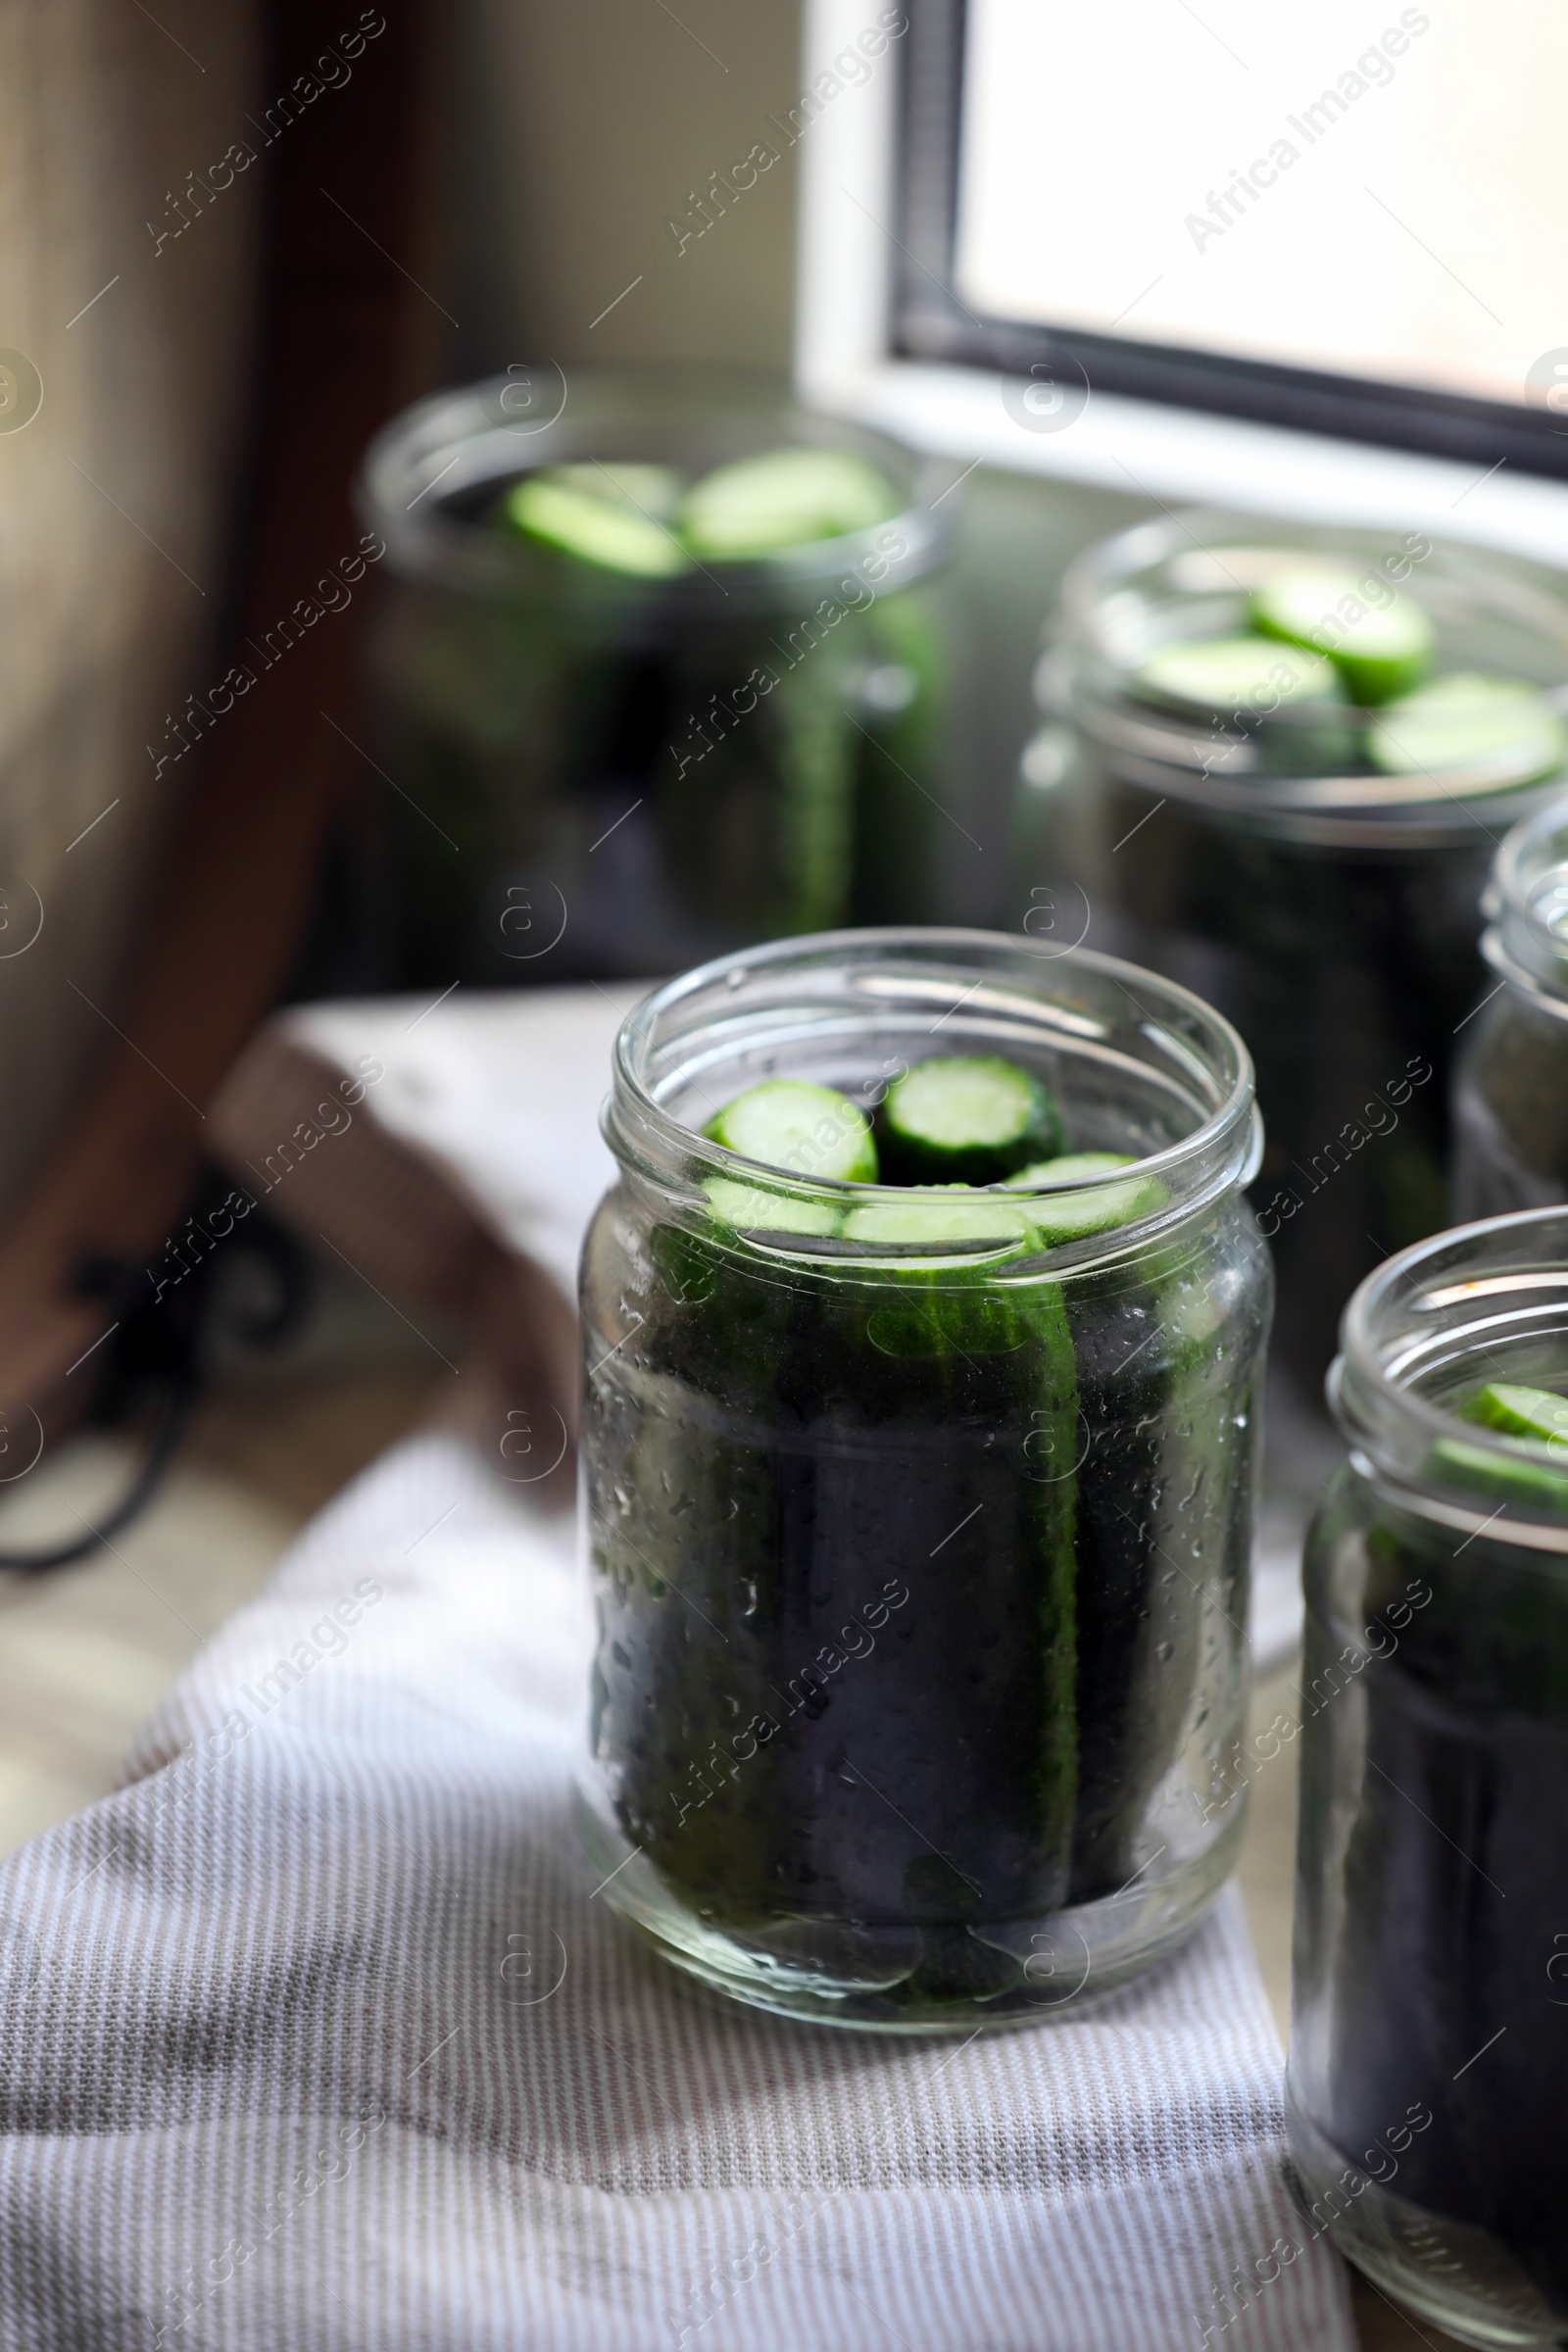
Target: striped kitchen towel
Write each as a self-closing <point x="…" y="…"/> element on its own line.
<point x="318" y="2038"/>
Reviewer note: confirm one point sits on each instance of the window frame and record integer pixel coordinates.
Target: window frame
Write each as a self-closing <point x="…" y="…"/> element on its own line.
<point x="928" y="322"/>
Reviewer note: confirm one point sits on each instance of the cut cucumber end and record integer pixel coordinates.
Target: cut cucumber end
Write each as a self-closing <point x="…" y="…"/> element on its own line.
<point x="786" y="498"/>
<point x="1238" y="675"/>
<point x="586" y="512"/>
<point x="1516" y="1411"/>
<point x="753" y="1209"/>
<point x="1532" y="1420"/>
<point x="1055" y="1220"/>
<point x="955" y="1215"/>
<point x="1469" y="720"/>
<point x="800" y="1128"/>
<point x="1534" y="1486"/>
<point x="1381" y="644"/>
<point x="966" y="1119"/>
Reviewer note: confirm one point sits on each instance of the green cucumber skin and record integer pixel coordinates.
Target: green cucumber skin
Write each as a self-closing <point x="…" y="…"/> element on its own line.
<point x="913" y="1159"/>
<point x="858" y="1427"/>
<point x="791" y="1449"/>
<point x="1451" y="1882"/>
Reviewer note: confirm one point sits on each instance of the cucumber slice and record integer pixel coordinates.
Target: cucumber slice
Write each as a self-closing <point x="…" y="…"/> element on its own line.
<point x="801" y="1128"/>
<point x="940" y="1220"/>
<point x="1055" y="1220"/>
<point x="601" y="515"/>
<point x="1380" y="651"/>
<point x="787" y="497"/>
<point x="653" y="491"/>
<point x="1520" y="1412"/>
<point x="1531" y="1485"/>
<point x="966" y="1119"/>
<point x="1240" y="674"/>
<point x="752" y="1208"/>
<point x="1469" y="720"/>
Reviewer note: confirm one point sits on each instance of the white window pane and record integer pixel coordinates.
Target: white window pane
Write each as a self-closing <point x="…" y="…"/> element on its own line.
<point x="1405" y="216"/>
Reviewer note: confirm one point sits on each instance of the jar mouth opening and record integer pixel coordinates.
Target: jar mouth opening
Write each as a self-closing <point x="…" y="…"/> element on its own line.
<point x="1525" y="902"/>
<point x="1479" y="1304"/>
<point x="802" y="1006"/>
<point x="1328" y="765"/>
<point x="429" y="478"/>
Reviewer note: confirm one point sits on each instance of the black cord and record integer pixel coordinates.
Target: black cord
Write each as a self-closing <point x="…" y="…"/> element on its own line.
<point x="161" y="1337"/>
<point x="173" y="1415"/>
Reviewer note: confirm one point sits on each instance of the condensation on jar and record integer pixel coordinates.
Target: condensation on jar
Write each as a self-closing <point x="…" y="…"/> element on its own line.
<point x="1511" y="1080"/>
<point x="1429" y="2033"/>
<point x="919" y="1573"/>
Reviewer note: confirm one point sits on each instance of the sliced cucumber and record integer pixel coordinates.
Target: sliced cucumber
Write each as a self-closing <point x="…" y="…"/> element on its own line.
<point x="602" y="515"/>
<point x="1520" y="1412"/>
<point x="1534" y="1486"/>
<point x="650" y="490"/>
<point x="966" y="1119"/>
<point x="1379" y="650"/>
<point x="1240" y="674"/>
<point x="1469" y="720"/>
<point x="753" y="1209"/>
<point x="787" y="497"/>
<point x="944" y="1215"/>
<point x="1056" y="1219"/>
<point x="800" y="1128"/>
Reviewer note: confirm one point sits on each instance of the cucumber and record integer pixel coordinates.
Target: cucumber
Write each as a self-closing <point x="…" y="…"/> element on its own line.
<point x="941" y="1385"/>
<point x="1520" y="1412"/>
<point x="1380" y="651"/>
<point x="1468" y="721"/>
<point x="785" y="498"/>
<point x="1238" y="675"/>
<point x="800" y="1128"/>
<point x="1529" y="1484"/>
<point x="939" y="1221"/>
<point x="966" y="1119"/>
<point x="828" y="1467"/>
<point x="1530" y="1421"/>
<point x="753" y="1209"/>
<point x="1054" y="1221"/>
<point x="600" y="514"/>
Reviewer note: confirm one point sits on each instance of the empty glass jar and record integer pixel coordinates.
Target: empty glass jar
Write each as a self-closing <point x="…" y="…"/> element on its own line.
<point x="597" y="769"/>
<point x="919" y="1568"/>
<point x="1511" y="1081"/>
<point x="1429" y="2035"/>
<point x="1312" y="869"/>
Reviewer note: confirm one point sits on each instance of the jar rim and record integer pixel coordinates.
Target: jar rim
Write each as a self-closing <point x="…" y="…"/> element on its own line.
<point x="469" y="437"/>
<point x="1219" y="1154"/>
<point x="1435" y="1302"/>
<point x="1167" y="752"/>
<point x="1519" y="942"/>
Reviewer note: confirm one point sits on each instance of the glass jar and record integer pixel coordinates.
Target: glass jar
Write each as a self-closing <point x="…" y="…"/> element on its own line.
<point x="1511" y="1080"/>
<point x="597" y="772"/>
<point x="1429" y="2036"/>
<point x="1327" y="907"/>
<point x="921" y="1571"/>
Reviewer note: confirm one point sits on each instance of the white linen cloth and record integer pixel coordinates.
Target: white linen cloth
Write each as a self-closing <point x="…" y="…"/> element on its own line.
<point x="317" y="2037"/>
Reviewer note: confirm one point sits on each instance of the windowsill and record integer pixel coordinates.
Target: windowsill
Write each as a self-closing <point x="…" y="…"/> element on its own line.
<point x="1186" y="457"/>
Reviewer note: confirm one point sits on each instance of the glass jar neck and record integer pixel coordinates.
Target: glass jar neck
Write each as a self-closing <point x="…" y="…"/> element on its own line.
<point x="1483" y="1304"/>
<point x="1139" y="1065"/>
<point x="1312" y="772"/>
<point x="431" y="478"/>
<point x="1526" y="906"/>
